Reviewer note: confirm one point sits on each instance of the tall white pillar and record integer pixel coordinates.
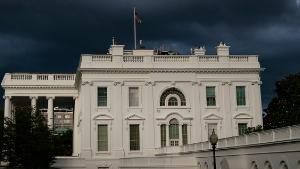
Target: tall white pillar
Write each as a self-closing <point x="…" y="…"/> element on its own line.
<point x="33" y="102"/>
<point x="50" y="112"/>
<point x="7" y="108"/>
<point x="167" y="135"/>
<point x="75" y="127"/>
<point x="180" y="134"/>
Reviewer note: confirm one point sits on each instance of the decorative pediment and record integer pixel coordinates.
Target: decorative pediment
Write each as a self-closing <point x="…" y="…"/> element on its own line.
<point x="243" y="116"/>
<point x="213" y="117"/>
<point x="102" y="117"/>
<point x="134" y="117"/>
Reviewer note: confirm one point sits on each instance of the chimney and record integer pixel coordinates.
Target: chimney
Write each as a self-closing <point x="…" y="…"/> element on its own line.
<point x="199" y="51"/>
<point x="222" y="49"/>
<point x="116" y="49"/>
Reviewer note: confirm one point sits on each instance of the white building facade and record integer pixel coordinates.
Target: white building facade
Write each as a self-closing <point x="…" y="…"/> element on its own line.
<point x="131" y="103"/>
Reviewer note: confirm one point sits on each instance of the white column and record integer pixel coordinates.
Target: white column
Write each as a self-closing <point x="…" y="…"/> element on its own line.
<point x="180" y="134"/>
<point x="33" y="102"/>
<point x="86" y="149"/>
<point x="7" y="108"/>
<point x="50" y="112"/>
<point x="167" y="135"/>
<point x="75" y="127"/>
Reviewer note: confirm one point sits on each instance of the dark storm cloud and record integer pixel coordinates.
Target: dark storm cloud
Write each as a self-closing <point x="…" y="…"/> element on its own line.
<point x="50" y="35"/>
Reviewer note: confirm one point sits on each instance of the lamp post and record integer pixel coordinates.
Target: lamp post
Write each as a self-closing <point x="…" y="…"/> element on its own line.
<point x="213" y="141"/>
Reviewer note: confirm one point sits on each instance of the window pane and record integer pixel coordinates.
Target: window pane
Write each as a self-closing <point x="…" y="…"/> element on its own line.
<point x="163" y="135"/>
<point x="240" y="96"/>
<point x="174" y="129"/>
<point x="172" y="101"/>
<point x="102" y="138"/>
<point x="242" y="128"/>
<point x="184" y="134"/>
<point x="211" y="127"/>
<point x="133" y="96"/>
<point x="134" y="137"/>
<point x="102" y="96"/>
<point x="210" y="96"/>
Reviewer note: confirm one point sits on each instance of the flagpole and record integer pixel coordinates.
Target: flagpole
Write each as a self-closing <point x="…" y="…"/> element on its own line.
<point x="134" y="28"/>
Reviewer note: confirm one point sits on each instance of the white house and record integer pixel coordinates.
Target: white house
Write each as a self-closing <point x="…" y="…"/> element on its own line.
<point x="128" y="103"/>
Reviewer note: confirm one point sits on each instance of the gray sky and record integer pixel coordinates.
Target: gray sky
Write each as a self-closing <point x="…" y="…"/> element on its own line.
<point x="50" y="35"/>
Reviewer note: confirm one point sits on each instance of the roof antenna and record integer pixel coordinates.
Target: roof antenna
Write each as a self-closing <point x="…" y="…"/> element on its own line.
<point x="113" y="40"/>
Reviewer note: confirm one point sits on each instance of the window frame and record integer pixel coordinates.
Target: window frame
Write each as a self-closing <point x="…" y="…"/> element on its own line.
<point x="214" y="97"/>
<point x="107" y="96"/>
<point x="94" y="136"/>
<point x="107" y="135"/>
<point x="245" y="96"/>
<point x="238" y="126"/>
<point x="138" y="95"/>
<point x="139" y="138"/>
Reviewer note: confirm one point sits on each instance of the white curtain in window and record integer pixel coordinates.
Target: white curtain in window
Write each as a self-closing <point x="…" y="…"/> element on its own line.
<point x="133" y="96"/>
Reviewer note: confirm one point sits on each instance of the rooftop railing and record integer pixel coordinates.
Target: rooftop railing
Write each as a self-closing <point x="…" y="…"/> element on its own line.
<point x="38" y="79"/>
<point x="171" y="61"/>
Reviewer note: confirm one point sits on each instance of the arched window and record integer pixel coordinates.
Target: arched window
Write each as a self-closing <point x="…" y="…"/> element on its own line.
<point x="283" y="165"/>
<point x="172" y="91"/>
<point x="268" y="165"/>
<point x="172" y="101"/>
<point x="174" y="132"/>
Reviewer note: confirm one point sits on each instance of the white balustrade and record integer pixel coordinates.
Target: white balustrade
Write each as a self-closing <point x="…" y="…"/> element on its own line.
<point x="21" y="76"/>
<point x="238" y="58"/>
<point x="21" y="79"/>
<point x="102" y="58"/>
<point x="170" y="58"/>
<point x="133" y="58"/>
<point x="208" y="58"/>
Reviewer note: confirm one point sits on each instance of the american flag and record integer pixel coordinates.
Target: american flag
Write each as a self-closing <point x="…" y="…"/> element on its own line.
<point x="137" y="18"/>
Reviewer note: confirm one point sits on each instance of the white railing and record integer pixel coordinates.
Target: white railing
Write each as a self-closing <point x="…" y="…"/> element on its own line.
<point x="238" y="58"/>
<point x="208" y="58"/>
<point x="133" y="59"/>
<point x="42" y="77"/>
<point x="21" y="77"/>
<point x="171" y="58"/>
<point x="64" y="77"/>
<point x="102" y="58"/>
<point x="30" y="79"/>
<point x="291" y="133"/>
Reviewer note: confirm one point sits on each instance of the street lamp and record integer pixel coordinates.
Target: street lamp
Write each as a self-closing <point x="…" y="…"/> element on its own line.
<point x="213" y="141"/>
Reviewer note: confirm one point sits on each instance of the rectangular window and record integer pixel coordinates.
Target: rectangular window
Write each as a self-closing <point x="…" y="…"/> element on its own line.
<point x="184" y="134"/>
<point x="240" y="96"/>
<point x="242" y="128"/>
<point x="102" y="96"/>
<point x="163" y="136"/>
<point x="211" y="127"/>
<point x="133" y="96"/>
<point x="102" y="137"/>
<point x="210" y="96"/>
<point x="134" y="137"/>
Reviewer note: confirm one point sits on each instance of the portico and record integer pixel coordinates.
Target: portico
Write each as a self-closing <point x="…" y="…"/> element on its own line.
<point x="43" y="87"/>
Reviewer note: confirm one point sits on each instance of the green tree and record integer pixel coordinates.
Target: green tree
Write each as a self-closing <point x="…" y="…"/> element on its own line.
<point x="63" y="143"/>
<point x="28" y="143"/>
<point x="284" y="109"/>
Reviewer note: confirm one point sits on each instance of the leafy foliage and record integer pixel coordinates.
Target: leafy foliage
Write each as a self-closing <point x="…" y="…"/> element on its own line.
<point x="254" y="129"/>
<point x="284" y="109"/>
<point x="28" y="143"/>
<point x="63" y="143"/>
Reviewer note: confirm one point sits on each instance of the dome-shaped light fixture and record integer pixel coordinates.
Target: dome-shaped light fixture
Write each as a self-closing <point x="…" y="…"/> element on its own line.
<point x="213" y="138"/>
